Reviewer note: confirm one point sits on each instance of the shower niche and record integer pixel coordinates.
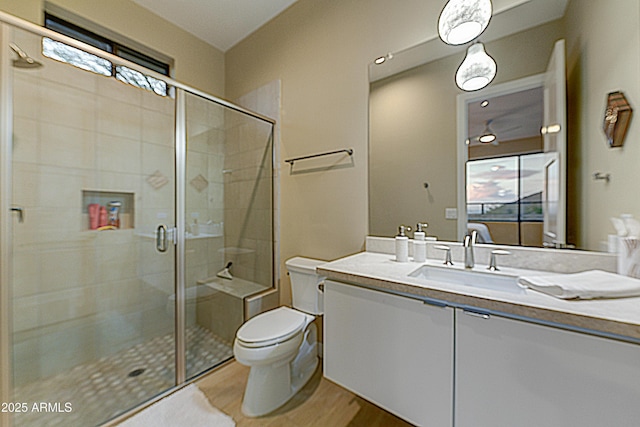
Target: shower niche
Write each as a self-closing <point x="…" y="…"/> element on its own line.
<point x="108" y="210"/>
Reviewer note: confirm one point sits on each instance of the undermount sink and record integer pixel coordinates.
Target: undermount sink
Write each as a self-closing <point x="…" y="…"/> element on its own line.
<point x="476" y="278"/>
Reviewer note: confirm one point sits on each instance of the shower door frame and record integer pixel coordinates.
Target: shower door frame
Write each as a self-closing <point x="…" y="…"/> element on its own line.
<point x="6" y="133"/>
<point x="7" y="23"/>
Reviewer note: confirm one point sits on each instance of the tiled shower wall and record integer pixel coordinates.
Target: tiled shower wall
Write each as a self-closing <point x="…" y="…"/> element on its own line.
<point x="248" y="182"/>
<point x="204" y="189"/>
<point x="77" y="294"/>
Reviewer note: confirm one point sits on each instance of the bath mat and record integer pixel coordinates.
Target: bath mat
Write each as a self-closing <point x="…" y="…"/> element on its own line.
<point x="187" y="407"/>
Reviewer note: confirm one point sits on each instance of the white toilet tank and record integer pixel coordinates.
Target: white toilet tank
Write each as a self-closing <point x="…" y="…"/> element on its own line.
<point x="304" y="284"/>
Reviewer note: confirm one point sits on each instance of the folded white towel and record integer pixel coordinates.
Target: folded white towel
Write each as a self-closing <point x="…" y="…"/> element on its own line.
<point x="586" y="285"/>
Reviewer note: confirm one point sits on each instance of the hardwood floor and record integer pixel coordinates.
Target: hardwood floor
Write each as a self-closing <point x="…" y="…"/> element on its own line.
<point x="320" y="403"/>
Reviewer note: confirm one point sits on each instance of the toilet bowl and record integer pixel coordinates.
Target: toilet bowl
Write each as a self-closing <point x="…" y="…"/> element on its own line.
<point x="280" y="345"/>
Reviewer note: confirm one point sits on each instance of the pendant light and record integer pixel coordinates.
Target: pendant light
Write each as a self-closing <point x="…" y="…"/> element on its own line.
<point x="463" y="20"/>
<point x="477" y="70"/>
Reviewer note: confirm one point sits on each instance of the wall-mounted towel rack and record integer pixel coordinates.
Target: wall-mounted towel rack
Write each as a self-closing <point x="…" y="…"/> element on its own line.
<point x="349" y="151"/>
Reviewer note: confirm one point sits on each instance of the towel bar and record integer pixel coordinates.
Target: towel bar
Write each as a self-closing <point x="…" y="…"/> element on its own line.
<point x="349" y="151"/>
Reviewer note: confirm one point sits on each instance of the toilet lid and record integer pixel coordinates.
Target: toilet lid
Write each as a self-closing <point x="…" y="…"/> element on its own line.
<point x="271" y="327"/>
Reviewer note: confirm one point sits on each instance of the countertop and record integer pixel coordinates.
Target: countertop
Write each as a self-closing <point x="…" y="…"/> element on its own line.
<point x="618" y="318"/>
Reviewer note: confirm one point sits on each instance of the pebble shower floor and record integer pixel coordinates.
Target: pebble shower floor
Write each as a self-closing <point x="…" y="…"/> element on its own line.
<point x="105" y="388"/>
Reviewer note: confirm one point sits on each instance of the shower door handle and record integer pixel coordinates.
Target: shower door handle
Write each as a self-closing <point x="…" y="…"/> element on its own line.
<point x="161" y="238"/>
<point x="20" y="213"/>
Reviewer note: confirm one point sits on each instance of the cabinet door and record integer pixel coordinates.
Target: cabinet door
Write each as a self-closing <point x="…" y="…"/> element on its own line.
<point x="395" y="351"/>
<point x="514" y="373"/>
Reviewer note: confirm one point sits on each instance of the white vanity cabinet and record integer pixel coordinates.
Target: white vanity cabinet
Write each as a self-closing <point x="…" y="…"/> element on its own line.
<point x="515" y="373"/>
<point x="395" y="351"/>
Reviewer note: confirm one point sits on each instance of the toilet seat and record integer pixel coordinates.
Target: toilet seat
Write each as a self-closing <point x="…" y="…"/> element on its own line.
<point x="272" y="327"/>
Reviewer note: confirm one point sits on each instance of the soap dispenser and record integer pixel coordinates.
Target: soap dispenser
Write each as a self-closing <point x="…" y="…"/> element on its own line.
<point x="419" y="243"/>
<point x="402" y="244"/>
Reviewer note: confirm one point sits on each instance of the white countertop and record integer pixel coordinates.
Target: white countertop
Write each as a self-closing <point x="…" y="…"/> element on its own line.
<point x="616" y="317"/>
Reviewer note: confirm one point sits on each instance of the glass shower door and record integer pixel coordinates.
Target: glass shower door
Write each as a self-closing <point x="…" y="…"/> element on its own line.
<point x="92" y="257"/>
<point x="228" y="225"/>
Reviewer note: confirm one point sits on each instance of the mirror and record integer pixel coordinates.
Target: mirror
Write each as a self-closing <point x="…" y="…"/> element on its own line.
<point x="413" y="141"/>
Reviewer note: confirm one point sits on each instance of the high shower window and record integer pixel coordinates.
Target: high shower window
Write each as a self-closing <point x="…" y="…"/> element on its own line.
<point x="86" y="61"/>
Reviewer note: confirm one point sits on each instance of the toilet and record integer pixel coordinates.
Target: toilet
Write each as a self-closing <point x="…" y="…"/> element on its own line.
<point x="280" y="345"/>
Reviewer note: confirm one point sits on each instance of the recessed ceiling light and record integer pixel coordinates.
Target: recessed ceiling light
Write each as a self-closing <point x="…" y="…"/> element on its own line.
<point x="484" y="103"/>
<point x="383" y="59"/>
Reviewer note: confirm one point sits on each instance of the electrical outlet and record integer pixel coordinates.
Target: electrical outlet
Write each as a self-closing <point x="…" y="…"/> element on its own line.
<point x="451" y="213"/>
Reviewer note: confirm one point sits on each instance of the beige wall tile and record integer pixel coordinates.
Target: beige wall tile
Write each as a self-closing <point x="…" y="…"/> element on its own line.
<point x="119" y="119"/>
<point x="117" y="262"/>
<point x="56" y="307"/>
<point x="67" y="106"/>
<point x="26" y="184"/>
<point x="26" y="143"/>
<point x="67" y="147"/>
<point x="62" y="188"/>
<point x="68" y="268"/>
<point x="158" y="127"/>
<point x="66" y="74"/>
<point x="26" y="314"/>
<point x="114" y="89"/>
<point x="26" y="96"/>
<point x="118" y="154"/>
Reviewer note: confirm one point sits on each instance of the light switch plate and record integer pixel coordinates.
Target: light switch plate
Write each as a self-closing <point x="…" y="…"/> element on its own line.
<point x="451" y="213"/>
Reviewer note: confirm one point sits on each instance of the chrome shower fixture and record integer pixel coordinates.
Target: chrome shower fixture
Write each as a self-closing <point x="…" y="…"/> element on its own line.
<point x="23" y="60"/>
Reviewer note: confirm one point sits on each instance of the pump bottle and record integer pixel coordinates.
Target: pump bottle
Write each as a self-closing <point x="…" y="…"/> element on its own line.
<point x="419" y="244"/>
<point x="402" y="244"/>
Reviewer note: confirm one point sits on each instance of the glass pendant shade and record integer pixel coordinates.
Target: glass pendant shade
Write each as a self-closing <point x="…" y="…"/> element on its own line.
<point x="463" y="20"/>
<point x="477" y="70"/>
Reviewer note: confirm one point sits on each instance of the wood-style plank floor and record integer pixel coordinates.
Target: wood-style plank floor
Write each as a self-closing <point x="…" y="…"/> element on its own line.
<point x="320" y="403"/>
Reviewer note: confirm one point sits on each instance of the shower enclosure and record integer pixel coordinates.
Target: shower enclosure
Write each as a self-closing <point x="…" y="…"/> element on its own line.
<point x="119" y="207"/>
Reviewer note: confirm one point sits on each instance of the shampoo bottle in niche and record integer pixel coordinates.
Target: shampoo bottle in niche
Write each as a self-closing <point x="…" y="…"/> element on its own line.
<point x="114" y="214"/>
<point x="103" y="217"/>
<point x="94" y="215"/>
<point x="402" y="244"/>
<point x="419" y="244"/>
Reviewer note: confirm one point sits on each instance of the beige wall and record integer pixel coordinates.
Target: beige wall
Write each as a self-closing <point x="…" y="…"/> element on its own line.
<point x="197" y="63"/>
<point x="320" y="50"/>
<point x="603" y="55"/>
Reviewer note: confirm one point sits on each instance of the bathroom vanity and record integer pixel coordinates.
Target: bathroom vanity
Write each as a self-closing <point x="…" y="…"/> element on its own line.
<point x="440" y="353"/>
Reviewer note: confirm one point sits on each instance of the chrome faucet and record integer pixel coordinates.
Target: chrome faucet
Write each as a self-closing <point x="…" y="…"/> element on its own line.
<point x="469" y="243"/>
